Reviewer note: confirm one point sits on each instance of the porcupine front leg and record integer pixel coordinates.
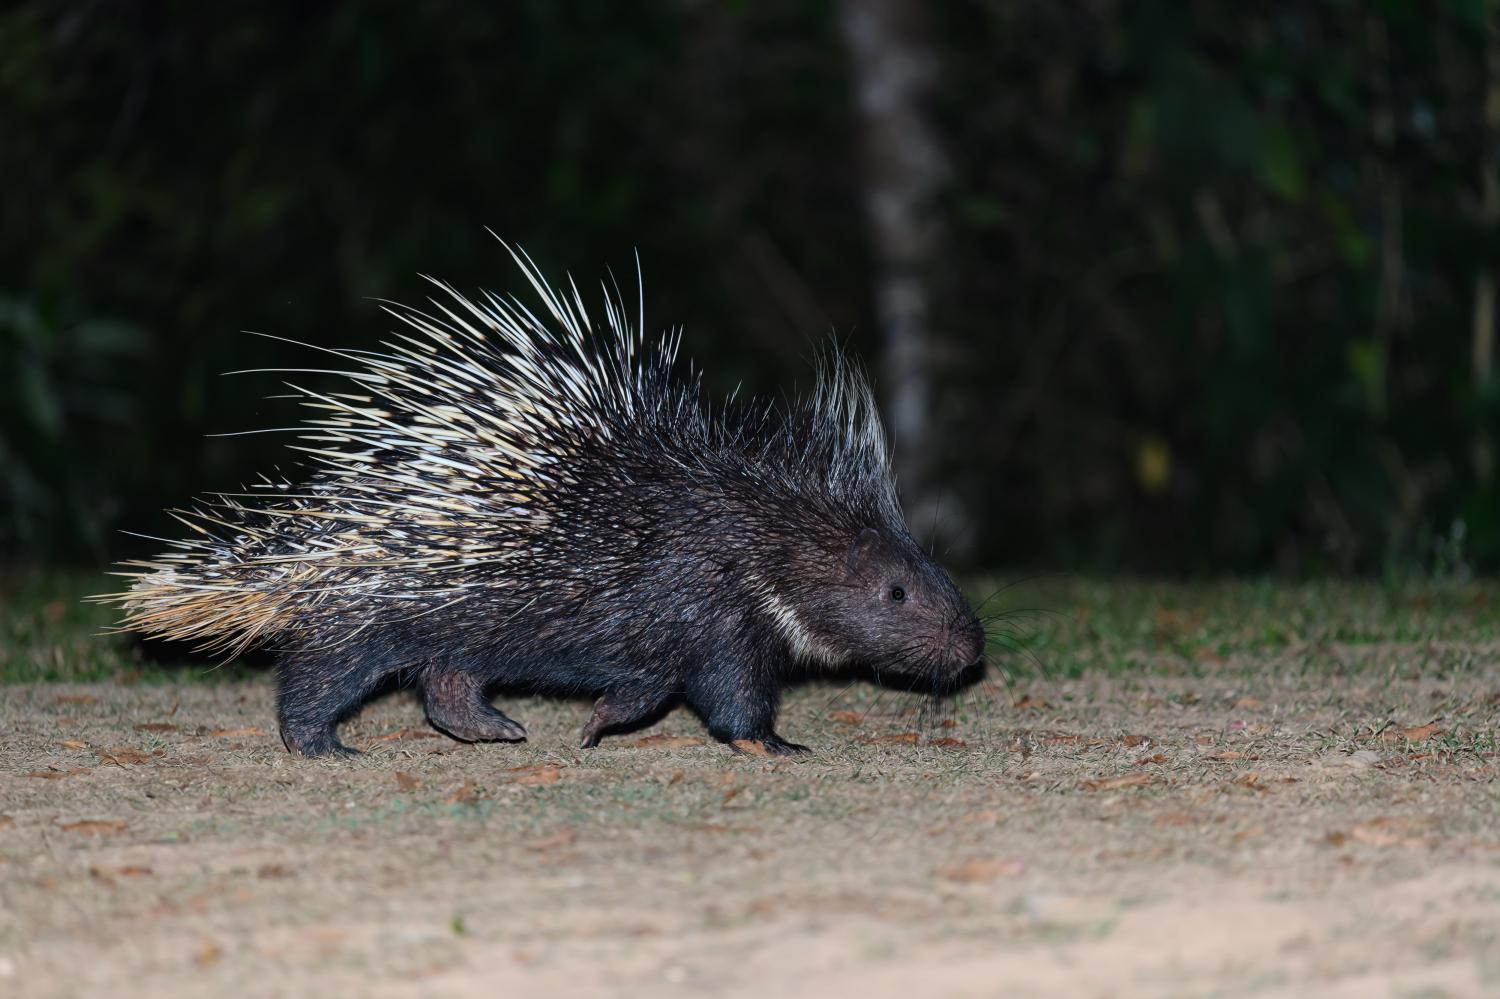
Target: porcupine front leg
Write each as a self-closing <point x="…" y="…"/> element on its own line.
<point x="456" y="705"/>
<point x="738" y="697"/>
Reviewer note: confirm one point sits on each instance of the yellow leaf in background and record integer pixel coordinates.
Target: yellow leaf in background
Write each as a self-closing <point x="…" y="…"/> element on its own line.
<point x="1153" y="465"/>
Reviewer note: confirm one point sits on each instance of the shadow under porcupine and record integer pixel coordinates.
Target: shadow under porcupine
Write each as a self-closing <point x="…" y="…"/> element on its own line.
<point x="506" y="499"/>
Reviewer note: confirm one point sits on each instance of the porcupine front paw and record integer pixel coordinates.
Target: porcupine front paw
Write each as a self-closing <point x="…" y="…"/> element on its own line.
<point x="772" y="744"/>
<point x="456" y="705"/>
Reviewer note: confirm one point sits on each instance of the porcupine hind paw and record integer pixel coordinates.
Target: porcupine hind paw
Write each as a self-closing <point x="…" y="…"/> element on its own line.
<point x="617" y="709"/>
<point x="456" y="705"/>
<point x="313" y="741"/>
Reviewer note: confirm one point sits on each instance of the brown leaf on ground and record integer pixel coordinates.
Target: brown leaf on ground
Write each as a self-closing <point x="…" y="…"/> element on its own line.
<point x="273" y="872"/>
<point x="156" y="727"/>
<point x="1115" y="783"/>
<point x="561" y="838"/>
<point x="1421" y="733"/>
<point x="668" y="742"/>
<point x="72" y="744"/>
<point x="76" y="699"/>
<point x="1146" y="761"/>
<point x="94" y="827"/>
<point x="948" y="742"/>
<point x="729" y="795"/>
<point x="537" y="773"/>
<point x="125" y="756"/>
<point x="1132" y="741"/>
<point x="846" y="717"/>
<point x="1387" y="832"/>
<point x="1060" y="738"/>
<point x="1029" y="703"/>
<point x="984" y="869"/>
<point x="58" y="774"/>
<point x="134" y="871"/>
<point x="208" y="954"/>
<point x="236" y="733"/>
<point x="1177" y="819"/>
<point x="751" y="747"/>
<point x="1226" y="756"/>
<point x="406" y="781"/>
<point x="466" y="794"/>
<point x="896" y="739"/>
<point x="6" y="821"/>
<point x="1249" y="703"/>
<point x="948" y="723"/>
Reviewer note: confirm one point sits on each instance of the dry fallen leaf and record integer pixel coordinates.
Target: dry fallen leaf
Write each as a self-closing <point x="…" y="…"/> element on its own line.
<point x="846" y="717"/>
<point x="537" y="773"/>
<point x="1249" y="703"/>
<point x="466" y="794"/>
<point x="407" y="782"/>
<point x="134" y="871"/>
<point x="1029" y="703"/>
<point x="751" y="747"/>
<point x="897" y="739"/>
<point x="1114" y="783"/>
<point x="1145" y="761"/>
<point x="6" y="821"/>
<point x="1136" y="740"/>
<point x="94" y="827"/>
<point x="403" y="733"/>
<point x="273" y="872"/>
<point x="948" y="742"/>
<point x="1419" y="734"/>
<point x="58" y="774"/>
<point x="236" y="733"/>
<point x="563" y="837"/>
<point x="1226" y="756"/>
<point x="980" y="870"/>
<point x="208" y="954"/>
<point x="72" y="744"/>
<point x="123" y="756"/>
<point x="1177" y="819"/>
<point x="668" y="742"/>
<point x="1060" y="738"/>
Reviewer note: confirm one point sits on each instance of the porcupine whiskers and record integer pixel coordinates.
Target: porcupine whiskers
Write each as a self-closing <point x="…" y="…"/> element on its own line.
<point x="511" y="494"/>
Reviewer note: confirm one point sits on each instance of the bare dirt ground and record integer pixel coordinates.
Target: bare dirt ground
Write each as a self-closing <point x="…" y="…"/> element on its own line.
<point x="1258" y="828"/>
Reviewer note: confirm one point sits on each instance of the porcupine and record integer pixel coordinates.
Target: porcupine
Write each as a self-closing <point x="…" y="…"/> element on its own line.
<point x="499" y="500"/>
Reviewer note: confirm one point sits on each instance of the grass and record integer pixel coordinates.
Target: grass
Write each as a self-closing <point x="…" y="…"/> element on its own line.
<point x="1057" y="626"/>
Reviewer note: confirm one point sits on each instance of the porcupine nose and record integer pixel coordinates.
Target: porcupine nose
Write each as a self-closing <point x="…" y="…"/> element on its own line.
<point x="966" y="642"/>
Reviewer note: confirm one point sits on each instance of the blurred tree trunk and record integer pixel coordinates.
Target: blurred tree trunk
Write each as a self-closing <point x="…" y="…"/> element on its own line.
<point x="894" y="68"/>
<point x="1483" y="346"/>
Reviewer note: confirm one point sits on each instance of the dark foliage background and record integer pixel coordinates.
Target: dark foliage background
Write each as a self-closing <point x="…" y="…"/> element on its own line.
<point x="1209" y="285"/>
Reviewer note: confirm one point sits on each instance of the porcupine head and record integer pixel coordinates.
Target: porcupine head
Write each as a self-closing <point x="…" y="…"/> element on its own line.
<point x="508" y="495"/>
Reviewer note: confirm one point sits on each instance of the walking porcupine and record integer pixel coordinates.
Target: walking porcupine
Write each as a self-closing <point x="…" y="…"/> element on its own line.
<point x="503" y="500"/>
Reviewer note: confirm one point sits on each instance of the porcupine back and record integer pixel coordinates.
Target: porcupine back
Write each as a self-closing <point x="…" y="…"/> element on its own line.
<point x="487" y="453"/>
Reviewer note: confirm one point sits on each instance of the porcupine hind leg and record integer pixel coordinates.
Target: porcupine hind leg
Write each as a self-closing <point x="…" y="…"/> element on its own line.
<point x="316" y="693"/>
<point x="456" y="705"/>
<point x="618" y="708"/>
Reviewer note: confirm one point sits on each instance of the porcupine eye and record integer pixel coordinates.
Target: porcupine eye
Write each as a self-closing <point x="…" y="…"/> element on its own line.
<point x="898" y="594"/>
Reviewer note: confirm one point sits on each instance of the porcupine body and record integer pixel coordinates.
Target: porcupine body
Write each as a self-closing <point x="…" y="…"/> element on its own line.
<point x="524" y="499"/>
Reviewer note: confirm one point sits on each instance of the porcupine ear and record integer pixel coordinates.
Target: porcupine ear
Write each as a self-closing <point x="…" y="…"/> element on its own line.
<point x="862" y="550"/>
